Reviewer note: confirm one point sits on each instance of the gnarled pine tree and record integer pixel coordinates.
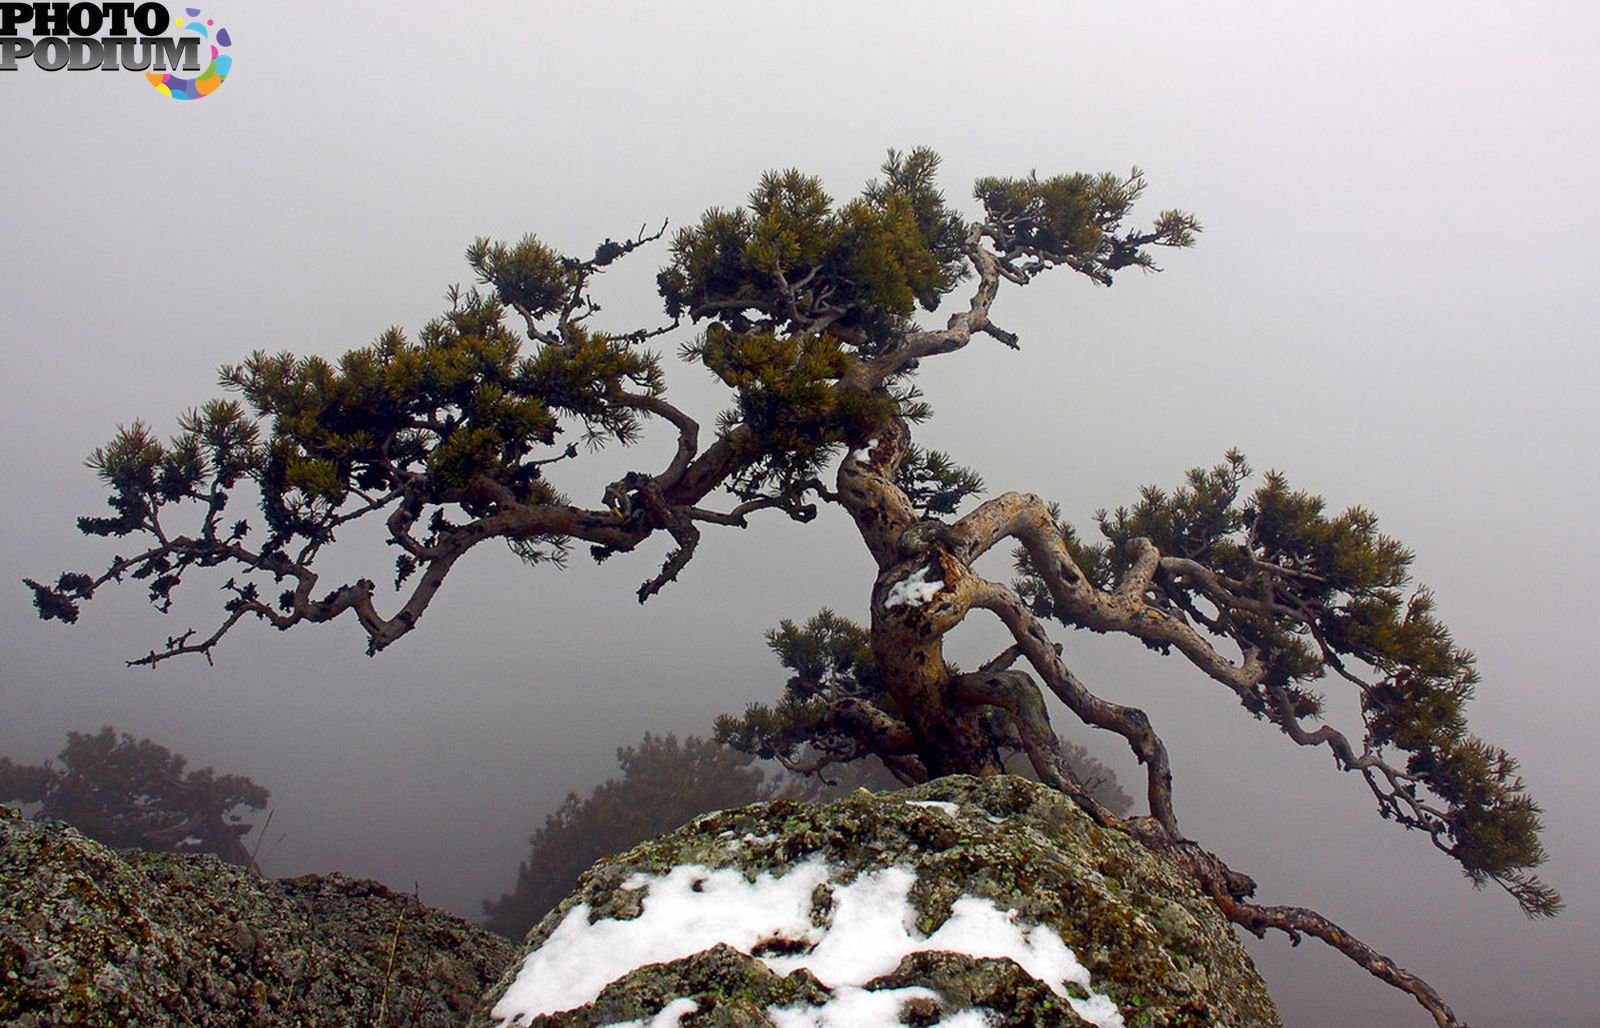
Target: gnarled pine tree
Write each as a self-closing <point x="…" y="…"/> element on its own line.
<point x="807" y="311"/>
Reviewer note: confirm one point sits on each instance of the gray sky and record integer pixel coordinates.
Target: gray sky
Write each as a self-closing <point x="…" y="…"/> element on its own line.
<point x="1392" y="302"/>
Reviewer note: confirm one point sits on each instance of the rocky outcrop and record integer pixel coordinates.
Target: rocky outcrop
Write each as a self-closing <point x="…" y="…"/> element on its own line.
<point x="90" y="935"/>
<point x="964" y="902"/>
<point x="968" y="903"/>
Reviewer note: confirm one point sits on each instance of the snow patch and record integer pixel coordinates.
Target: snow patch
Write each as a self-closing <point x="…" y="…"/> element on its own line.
<point x="873" y="927"/>
<point x="862" y="454"/>
<point x="691" y="909"/>
<point x="944" y="805"/>
<point x="670" y="1016"/>
<point x="916" y="589"/>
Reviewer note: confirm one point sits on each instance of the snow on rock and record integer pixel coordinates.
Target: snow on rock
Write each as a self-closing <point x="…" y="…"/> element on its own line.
<point x="690" y="909"/>
<point x="916" y="589"/>
<point x="693" y="908"/>
<point x="671" y="1016"/>
<point x="965" y="902"/>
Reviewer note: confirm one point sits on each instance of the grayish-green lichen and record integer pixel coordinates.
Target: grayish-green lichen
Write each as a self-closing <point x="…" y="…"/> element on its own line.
<point x="1150" y="941"/>
<point x="90" y="935"/>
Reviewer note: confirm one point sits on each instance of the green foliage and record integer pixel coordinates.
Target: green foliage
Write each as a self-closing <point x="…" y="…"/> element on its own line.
<point x="934" y="483"/>
<point x="128" y="792"/>
<point x="588" y="375"/>
<point x="664" y="784"/>
<point x="783" y="393"/>
<point x="1074" y="220"/>
<point x="1195" y="521"/>
<point x="1311" y="593"/>
<point x="216" y="446"/>
<point x="708" y="265"/>
<point x="528" y="277"/>
<point x="451" y="418"/>
<point x="909" y="182"/>
<point x="830" y="658"/>
<point x="458" y="404"/>
<point x="790" y="260"/>
<point x="792" y="225"/>
<point x="782" y="382"/>
<point x="432" y="416"/>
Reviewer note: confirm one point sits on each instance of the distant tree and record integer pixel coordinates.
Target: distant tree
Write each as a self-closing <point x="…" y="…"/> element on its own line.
<point x="664" y="785"/>
<point x="808" y="314"/>
<point x="128" y="792"/>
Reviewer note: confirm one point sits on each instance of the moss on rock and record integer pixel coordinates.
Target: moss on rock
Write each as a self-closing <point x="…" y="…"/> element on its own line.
<point x="1151" y="942"/>
<point x="91" y="935"/>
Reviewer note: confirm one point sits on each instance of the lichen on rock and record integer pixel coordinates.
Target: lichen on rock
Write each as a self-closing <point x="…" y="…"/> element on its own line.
<point x="1155" y="952"/>
<point x="92" y="935"/>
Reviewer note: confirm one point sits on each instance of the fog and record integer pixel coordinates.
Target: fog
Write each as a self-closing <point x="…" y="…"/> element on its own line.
<point x="1392" y="302"/>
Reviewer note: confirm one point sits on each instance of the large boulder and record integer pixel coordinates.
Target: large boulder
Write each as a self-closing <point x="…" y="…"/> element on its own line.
<point x="91" y="935"/>
<point x="965" y="902"/>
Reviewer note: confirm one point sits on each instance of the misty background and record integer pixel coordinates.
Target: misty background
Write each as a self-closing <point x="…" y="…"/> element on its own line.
<point x="1392" y="301"/>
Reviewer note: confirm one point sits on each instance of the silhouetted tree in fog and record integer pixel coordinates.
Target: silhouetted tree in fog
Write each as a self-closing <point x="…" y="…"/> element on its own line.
<point x="128" y="792"/>
<point x="664" y="784"/>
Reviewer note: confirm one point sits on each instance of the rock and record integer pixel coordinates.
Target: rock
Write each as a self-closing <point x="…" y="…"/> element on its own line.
<point x="990" y="877"/>
<point x="91" y="935"/>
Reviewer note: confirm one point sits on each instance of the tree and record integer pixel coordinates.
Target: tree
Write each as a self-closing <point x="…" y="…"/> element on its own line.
<point x="664" y="785"/>
<point x="128" y="792"/>
<point x="824" y="720"/>
<point x="807" y="313"/>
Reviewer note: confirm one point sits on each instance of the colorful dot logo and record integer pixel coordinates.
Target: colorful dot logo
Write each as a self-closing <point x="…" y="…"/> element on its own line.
<point x="212" y="78"/>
